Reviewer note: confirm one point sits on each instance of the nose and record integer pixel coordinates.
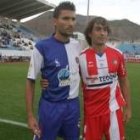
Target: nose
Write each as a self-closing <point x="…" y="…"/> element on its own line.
<point x="102" y="31"/>
<point x="71" y="22"/>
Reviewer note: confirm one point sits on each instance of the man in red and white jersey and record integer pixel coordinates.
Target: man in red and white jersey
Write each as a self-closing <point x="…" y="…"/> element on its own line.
<point x="105" y="85"/>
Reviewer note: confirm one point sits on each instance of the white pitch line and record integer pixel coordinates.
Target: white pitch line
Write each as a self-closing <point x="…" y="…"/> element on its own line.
<point x="14" y="123"/>
<point x="17" y="123"/>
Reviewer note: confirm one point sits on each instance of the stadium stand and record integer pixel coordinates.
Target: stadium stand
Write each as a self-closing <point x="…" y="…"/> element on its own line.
<point x="14" y="37"/>
<point x="19" y="9"/>
<point x="129" y="48"/>
<point x="131" y="51"/>
<point x="16" y="41"/>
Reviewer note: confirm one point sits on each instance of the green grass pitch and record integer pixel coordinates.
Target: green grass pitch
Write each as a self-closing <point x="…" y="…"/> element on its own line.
<point x="12" y="105"/>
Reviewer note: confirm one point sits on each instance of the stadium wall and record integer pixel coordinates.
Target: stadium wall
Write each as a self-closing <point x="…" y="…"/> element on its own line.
<point x="132" y="58"/>
<point x="15" y="53"/>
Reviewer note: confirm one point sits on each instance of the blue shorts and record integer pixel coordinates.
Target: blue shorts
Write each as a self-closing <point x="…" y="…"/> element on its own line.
<point x="59" y="119"/>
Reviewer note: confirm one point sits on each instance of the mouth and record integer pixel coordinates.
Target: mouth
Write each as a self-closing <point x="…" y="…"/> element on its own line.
<point x="69" y="29"/>
<point x="102" y="38"/>
<point x="70" y="32"/>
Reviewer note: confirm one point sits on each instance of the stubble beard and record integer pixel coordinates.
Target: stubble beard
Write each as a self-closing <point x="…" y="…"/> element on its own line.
<point x="64" y="34"/>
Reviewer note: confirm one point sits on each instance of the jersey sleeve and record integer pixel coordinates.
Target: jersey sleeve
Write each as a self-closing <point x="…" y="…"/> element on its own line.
<point x="122" y="68"/>
<point x="36" y="63"/>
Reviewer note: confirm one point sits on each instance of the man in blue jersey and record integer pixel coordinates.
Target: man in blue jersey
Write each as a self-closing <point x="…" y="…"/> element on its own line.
<point x="55" y="58"/>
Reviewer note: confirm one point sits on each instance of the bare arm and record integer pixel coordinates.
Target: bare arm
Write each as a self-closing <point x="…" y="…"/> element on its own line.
<point x="29" y="97"/>
<point x="124" y="84"/>
<point x="36" y="63"/>
<point x="30" y="86"/>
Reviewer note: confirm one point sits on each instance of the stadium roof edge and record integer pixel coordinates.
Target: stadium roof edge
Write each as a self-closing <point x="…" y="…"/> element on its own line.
<point x="19" y="9"/>
<point x="47" y="3"/>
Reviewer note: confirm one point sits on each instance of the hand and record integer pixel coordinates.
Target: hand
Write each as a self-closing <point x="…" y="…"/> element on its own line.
<point x="33" y="125"/>
<point x="44" y="83"/>
<point x="127" y="115"/>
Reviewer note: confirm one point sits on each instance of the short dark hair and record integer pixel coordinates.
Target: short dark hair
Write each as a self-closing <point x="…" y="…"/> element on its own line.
<point x="97" y="20"/>
<point x="67" y="5"/>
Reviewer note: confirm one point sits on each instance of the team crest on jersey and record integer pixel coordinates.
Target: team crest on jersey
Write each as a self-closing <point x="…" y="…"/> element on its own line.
<point x="77" y="60"/>
<point x="64" y="77"/>
<point x="114" y="62"/>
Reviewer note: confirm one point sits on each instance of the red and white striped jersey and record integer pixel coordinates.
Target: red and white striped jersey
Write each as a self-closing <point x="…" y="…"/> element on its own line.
<point x="101" y="89"/>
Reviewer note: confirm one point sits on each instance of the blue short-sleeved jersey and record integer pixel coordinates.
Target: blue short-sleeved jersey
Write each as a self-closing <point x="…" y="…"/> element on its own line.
<point x="57" y="62"/>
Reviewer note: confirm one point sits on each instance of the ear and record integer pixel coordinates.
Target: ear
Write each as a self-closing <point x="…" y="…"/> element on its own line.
<point x="89" y="34"/>
<point x="54" y="21"/>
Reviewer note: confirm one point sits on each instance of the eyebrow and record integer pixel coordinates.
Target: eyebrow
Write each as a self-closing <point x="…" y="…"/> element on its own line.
<point x="67" y="17"/>
<point x="104" y="27"/>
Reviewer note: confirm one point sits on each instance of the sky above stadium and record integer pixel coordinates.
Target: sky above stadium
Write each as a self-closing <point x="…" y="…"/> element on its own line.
<point x="110" y="9"/>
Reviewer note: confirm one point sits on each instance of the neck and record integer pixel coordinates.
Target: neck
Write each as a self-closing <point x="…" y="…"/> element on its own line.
<point x="61" y="38"/>
<point x="98" y="48"/>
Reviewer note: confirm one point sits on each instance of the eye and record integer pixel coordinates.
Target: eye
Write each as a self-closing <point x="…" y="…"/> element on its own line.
<point x="65" y="18"/>
<point x="98" y="28"/>
<point x="69" y="18"/>
<point x="105" y="29"/>
<point x="73" y="19"/>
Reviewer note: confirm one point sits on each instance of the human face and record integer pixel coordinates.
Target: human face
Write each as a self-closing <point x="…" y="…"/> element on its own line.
<point x="99" y="35"/>
<point x="65" y="23"/>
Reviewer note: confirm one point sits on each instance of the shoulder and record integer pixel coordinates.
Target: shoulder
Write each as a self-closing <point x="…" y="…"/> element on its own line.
<point x="114" y="50"/>
<point x="43" y="42"/>
<point x="75" y="45"/>
<point x="86" y="50"/>
<point x="74" y="42"/>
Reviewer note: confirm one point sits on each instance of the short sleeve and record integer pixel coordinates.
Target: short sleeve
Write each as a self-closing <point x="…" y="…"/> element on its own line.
<point x="122" y="68"/>
<point x="36" y="63"/>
